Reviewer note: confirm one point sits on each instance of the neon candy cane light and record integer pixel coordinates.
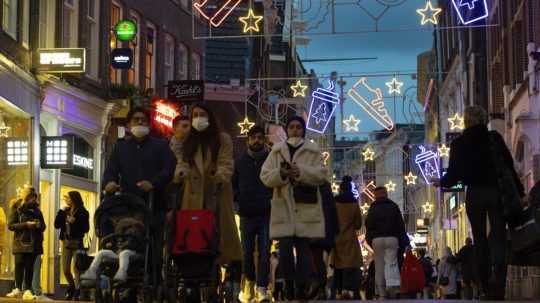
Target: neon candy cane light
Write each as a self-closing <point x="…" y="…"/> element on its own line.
<point x="471" y="11"/>
<point x="373" y="105"/>
<point x="428" y="163"/>
<point x="323" y="106"/>
<point x="220" y="15"/>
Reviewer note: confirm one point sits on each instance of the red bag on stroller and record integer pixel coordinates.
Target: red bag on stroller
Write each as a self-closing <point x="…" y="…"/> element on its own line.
<point x="195" y="232"/>
<point x="413" y="278"/>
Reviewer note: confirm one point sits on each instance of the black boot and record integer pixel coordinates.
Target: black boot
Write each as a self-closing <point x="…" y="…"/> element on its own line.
<point x="301" y="292"/>
<point x="69" y="293"/>
<point x="289" y="290"/>
<point x="76" y="295"/>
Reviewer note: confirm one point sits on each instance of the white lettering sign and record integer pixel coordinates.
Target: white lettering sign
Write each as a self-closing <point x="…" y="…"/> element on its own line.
<point x="59" y="59"/>
<point x="83" y="162"/>
<point x="121" y="59"/>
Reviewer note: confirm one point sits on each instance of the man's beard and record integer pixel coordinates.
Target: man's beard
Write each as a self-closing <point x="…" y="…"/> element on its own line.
<point x="256" y="147"/>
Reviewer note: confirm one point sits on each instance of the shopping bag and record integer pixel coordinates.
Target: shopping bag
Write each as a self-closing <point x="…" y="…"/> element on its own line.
<point x="412" y="275"/>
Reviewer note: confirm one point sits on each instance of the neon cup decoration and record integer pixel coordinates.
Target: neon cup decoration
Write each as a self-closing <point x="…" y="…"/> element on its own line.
<point x="323" y="106"/>
<point x="428" y="163"/>
<point x="471" y="11"/>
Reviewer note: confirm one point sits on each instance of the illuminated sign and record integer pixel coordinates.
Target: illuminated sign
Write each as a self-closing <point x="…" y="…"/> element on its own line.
<point x="17" y="151"/>
<point x="165" y="114"/>
<point x="61" y="60"/>
<point x="125" y="30"/>
<point x="122" y="58"/>
<point x="83" y="162"/>
<point x="372" y="102"/>
<point x="57" y="152"/>
<point x="323" y="106"/>
<point x="428" y="163"/>
<point x="185" y="91"/>
<point x="471" y="11"/>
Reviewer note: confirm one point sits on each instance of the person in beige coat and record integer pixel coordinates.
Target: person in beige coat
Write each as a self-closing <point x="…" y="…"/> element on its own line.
<point x="294" y="169"/>
<point x="205" y="165"/>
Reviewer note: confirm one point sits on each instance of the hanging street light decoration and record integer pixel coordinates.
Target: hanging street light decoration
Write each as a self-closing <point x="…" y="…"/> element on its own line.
<point x="326" y="157"/>
<point x="410" y="179"/>
<point x="351" y="124"/>
<point x="428" y="163"/>
<point x="222" y="12"/>
<point x="369" y="154"/>
<point x="245" y="126"/>
<point x="429" y="14"/>
<point x="427" y="207"/>
<point x="299" y="90"/>
<point x="444" y="151"/>
<point x="365" y="208"/>
<point x="394" y="86"/>
<point x="390" y="186"/>
<point x="251" y="22"/>
<point x="368" y="190"/>
<point x="471" y="11"/>
<point x="372" y="102"/>
<point x="335" y="187"/>
<point x="457" y="122"/>
<point x="322" y="108"/>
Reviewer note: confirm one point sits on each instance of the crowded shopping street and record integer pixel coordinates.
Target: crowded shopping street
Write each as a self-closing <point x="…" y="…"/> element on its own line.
<point x="249" y="151"/>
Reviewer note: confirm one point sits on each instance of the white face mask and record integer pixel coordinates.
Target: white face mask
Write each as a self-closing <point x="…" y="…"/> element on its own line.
<point x="200" y="123"/>
<point x="295" y="141"/>
<point x="140" y="131"/>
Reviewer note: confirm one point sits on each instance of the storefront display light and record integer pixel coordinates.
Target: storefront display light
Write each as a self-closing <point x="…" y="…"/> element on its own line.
<point x="17" y="151"/>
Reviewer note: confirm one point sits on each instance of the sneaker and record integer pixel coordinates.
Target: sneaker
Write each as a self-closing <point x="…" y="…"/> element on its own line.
<point x="43" y="298"/>
<point x="246" y="295"/>
<point x="15" y="293"/>
<point x="262" y="295"/>
<point x="28" y="295"/>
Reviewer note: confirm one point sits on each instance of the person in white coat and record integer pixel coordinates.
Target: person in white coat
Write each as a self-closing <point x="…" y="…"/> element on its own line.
<point x="294" y="170"/>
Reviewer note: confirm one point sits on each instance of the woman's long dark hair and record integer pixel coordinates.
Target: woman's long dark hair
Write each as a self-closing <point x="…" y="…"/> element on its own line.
<point x="209" y="138"/>
<point x="76" y="200"/>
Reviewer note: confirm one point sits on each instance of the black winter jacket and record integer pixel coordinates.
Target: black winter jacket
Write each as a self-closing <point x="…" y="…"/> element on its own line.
<point x="77" y="229"/>
<point x="331" y="226"/>
<point x="26" y="240"/>
<point x="250" y="194"/>
<point x="384" y="219"/>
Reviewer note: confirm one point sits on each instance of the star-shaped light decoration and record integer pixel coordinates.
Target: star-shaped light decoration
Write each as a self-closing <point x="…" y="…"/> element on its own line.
<point x="20" y="190"/>
<point x="299" y="90"/>
<point x="351" y="124"/>
<point x="410" y="179"/>
<point x="394" y="86"/>
<point x="251" y="22"/>
<point x="369" y="154"/>
<point x="427" y="207"/>
<point x="429" y="14"/>
<point x="390" y="186"/>
<point x="444" y="151"/>
<point x="4" y="130"/>
<point x="245" y="126"/>
<point x="335" y="187"/>
<point x="364" y="208"/>
<point x="457" y="122"/>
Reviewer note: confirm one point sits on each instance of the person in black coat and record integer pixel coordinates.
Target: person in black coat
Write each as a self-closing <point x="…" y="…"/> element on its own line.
<point x="74" y="222"/>
<point x="466" y="259"/>
<point x="471" y="163"/>
<point x="28" y="225"/>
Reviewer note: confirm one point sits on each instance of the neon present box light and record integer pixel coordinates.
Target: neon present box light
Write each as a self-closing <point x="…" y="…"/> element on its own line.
<point x="471" y="11"/>
<point x="323" y="106"/>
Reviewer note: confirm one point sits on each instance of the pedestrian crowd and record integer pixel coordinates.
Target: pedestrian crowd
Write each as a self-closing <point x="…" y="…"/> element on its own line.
<point x="297" y="240"/>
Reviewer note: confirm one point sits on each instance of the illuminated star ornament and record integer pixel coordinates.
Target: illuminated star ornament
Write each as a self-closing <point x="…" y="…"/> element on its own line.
<point x="456" y="122"/>
<point x="368" y="154"/>
<point x="245" y="126"/>
<point x="410" y="179"/>
<point x="394" y="86"/>
<point x="390" y="186"/>
<point x="335" y="187"/>
<point x="299" y="90"/>
<point x="251" y="22"/>
<point x="4" y="130"/>
<point x="427" y="207"/>
<point x="351" y="124"/>
<point x="364" y="208"/>
<point x="444" y="151"/>
<point x="429" y="14"/>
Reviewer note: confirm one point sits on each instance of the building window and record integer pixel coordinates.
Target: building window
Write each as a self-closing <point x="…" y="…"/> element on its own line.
<point x="169" y="60"/>
<point x="71" y="23"/>
<point x="92" y="50"/>
<point x="134" y="71"/>
<point x="116" y="13"/>
<point x="184" y="4"/>
<point x="195" y="66"/>
<point x="47" y="13"/>
<point x="26" y="24"/>
<point x="182" y="62"/>
<point x="9" y="17"/>
<point x="150" y="58"/>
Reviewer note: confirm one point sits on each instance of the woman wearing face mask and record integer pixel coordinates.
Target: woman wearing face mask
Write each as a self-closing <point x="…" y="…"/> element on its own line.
<point x="294" y="170"/>
<point x="206" y="166"/>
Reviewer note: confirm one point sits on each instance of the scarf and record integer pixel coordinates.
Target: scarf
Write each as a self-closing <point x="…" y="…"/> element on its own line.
<point x="258" y="155"/>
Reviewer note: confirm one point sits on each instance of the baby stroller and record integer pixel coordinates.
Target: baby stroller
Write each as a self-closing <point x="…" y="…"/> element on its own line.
<point x="141" y="274"/>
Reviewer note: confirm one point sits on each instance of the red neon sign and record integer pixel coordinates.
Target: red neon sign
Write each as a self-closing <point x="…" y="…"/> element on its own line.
<point x="165" y="114"/>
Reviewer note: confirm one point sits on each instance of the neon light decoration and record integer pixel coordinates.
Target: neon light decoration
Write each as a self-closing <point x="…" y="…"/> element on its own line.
<point x="335" y="187"/>
<point x="325" y="156"/>
<point x="354" y="190"/>
<point x="390" y="186"/>
<point x="364" y="208"/>
<point x="323" y="106"/>
<point x="299" y="90"/>
<point x="369" y="154"/>
<point x="245" y="126"/>
<point x="429" y="14"/>
<point x="220" y="15"/>
<point x="351" y="124"/>
<point x="470" y="11"/>
<point x="368" y="190"/>
<point x="428" y="163"/>
<point x="456" y="122"/>
<point x="444" y="151"/>
<point x="251" y="22"/>
<point x="4" y="130"/>
<point x="374" y="106"/>
<point x="427" y="207"/>
<point x="165" y="114"/>
<point x="410" y="179"/>
<point x="394" y="86"/>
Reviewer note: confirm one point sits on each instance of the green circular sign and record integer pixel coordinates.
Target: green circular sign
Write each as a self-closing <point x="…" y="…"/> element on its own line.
<point x="126" y="30"/>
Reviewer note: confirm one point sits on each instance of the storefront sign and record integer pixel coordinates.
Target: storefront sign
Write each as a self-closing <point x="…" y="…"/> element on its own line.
<point x="122" y="58"/>
<point x="125" y="30"/>
<point x="185" y="91"/>
<point x="17" y="151"/>
<point x="61" y="60"/>
<point x="165" y="114"/>
<point x="83" y="162"/>
<point x="57" y="152"/>
<point x="455" y="189"/>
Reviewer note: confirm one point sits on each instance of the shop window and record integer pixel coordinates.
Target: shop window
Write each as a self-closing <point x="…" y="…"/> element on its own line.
<point x="150" y="59"/>
<point x="83" y="158"/>
<point x="133" y="72"/>
<point x="115" y="75"/>
<point x="92" y="49"/>
<point x="70" y="33"/>
<point x="169" y="60"/>
<point x="15" y="126"/>
<point x="26" y="23"/>
<point x="182" y="62"/>
<point x="195" y="66"/>
<point x="46" y="23"/>
<point x="9" y="17"/>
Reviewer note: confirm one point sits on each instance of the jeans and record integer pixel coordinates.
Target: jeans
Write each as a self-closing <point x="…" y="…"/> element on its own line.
<point x="253" y="230"/>
<point x="386" y="264"/>
<point x="300" y="270"/>
<point x="490" y="250"/>
<point x="68" y="255"/>
<point x="36" y="279"/>
<point x="24" y="269"/>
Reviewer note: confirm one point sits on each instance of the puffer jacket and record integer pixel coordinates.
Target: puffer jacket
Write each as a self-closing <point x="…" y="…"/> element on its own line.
<point x="26" y="240"/>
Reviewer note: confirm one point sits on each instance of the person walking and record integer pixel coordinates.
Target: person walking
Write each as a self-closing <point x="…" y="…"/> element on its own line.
<point x="295" y="170"/>
<point x="466" y="260"/>
<point x="73" y="221"/>
<point x="475" y="149"/>
<point x="253" y="200"/>
<point x="427" y="265"/>
<point x="448" y="275"/>
<point x="28" y="225"/>
<point x="347" y="253"/>
<point x="385" y="231"/>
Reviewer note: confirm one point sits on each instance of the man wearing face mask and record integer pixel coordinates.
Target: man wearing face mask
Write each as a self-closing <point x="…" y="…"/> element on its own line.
<point x="253" y="200"/>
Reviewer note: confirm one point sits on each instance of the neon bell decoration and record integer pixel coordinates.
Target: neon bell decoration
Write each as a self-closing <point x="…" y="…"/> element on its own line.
<point x="323" y="106"/>
<point x="470" y="11"/>
<point x="428" y="163"/>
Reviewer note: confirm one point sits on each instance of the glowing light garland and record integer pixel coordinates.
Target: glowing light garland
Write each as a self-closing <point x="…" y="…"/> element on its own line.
<point x="322" y="108"/>
<point x="351" y="124"/>
<point x="390" y="186"/>
<point x="410" y="179"/>
<point x="471" y="11"/>
<point x="430" y="11"/>
<point x="428" y="163"/>
<point x="444" y="151"/>
<point x="457" y="122"/>
<point x="220" y="15"/>
<point x="245" y="126"/>
<point x="251" y="22"/>
<point x="299" y="90"/>
<point x="394" y="86"/>
<point x="369" y="154"/>
<point x="373" y="105"/>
